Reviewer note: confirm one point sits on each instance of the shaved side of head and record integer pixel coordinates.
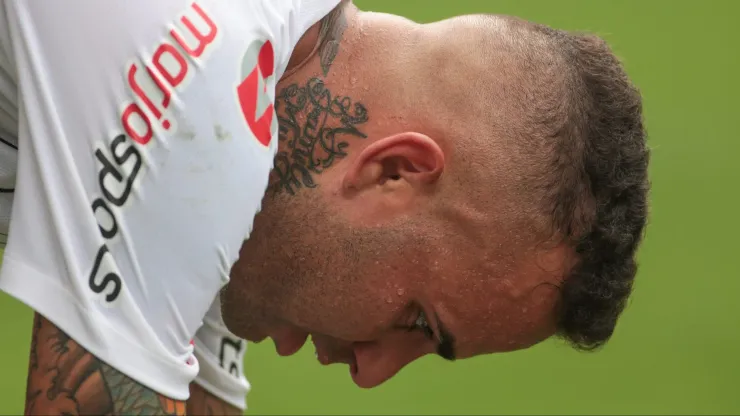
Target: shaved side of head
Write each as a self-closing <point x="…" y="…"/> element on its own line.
<point x="546" y="131"/>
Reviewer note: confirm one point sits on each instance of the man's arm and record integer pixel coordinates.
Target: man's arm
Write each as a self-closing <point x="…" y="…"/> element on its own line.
<point x="64" y="379"/>
<point x="202" y="403"/>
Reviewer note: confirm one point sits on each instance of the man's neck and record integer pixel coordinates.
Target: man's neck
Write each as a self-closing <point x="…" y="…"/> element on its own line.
<point x="322" y="40"/>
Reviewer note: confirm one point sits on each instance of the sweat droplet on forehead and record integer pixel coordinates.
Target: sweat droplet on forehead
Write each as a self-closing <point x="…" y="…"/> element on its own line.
<point x="400" y="292"/>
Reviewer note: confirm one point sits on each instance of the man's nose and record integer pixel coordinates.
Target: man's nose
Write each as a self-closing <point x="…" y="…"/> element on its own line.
<point x="378" y="361"/>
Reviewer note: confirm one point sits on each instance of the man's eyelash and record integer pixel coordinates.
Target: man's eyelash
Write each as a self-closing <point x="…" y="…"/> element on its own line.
<point x="421" y="324"/>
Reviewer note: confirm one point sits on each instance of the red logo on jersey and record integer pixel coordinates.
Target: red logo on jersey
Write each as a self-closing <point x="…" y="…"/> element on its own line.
<point x="168" y="77"/>
<point x="258" y="68"/>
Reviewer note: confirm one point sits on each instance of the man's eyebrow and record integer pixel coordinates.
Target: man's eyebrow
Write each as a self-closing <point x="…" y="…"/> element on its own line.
<point x="446" y="346"/>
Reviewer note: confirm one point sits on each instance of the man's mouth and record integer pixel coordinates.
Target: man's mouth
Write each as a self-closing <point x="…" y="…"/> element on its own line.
<point x="327" y="350"/>
<point x="327" y="356"/>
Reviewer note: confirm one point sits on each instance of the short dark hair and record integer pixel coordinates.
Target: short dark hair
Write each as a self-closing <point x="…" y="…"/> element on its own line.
<point x="598" y="199"/>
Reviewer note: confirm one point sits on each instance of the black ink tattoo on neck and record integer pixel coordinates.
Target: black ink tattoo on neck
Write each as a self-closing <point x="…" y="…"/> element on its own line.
<point x="314" y="126"/>
<point x="332" y="28"/>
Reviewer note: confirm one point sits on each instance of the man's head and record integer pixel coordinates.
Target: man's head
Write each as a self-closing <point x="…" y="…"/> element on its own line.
<point x="464" y="187"/>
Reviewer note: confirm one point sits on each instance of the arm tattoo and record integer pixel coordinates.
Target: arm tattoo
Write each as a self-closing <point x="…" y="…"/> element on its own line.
<point x="203" y="403"/>
<point x="314" y="126"/>
<point x="332" y="28"/>
<point x="64" y="379"/>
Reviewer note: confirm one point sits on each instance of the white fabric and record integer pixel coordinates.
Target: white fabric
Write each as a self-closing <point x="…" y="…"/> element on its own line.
<point x="221" y="357"/>
<point x="122" y="233"/>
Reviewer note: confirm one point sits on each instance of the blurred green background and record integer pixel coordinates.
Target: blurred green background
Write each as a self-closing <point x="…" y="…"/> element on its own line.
<point x="677" y="348"/>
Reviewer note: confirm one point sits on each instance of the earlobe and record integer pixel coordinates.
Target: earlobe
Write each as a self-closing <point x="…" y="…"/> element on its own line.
<point x="410" y="157"/>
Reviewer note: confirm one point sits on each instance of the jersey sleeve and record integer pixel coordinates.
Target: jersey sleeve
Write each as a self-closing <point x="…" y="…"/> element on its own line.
<point x="145" y="132"/>
<point x="221" y="357"/>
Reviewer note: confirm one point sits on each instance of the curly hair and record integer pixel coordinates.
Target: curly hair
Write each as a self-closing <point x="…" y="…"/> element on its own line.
<point x="598" y="197"/>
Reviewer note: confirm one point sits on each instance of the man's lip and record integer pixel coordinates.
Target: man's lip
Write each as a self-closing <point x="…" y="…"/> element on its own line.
<point x="326" y="359"/>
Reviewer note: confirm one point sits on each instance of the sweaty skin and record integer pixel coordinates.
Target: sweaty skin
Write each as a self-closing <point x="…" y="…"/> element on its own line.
<point x="463" y="187"/>
<point x="363" y="242"/>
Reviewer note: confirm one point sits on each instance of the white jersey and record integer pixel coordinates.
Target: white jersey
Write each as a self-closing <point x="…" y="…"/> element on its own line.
<point x="144" y="133"/>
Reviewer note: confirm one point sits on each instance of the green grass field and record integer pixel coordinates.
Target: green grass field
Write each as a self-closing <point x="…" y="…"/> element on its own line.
<point x="677" y="349"/>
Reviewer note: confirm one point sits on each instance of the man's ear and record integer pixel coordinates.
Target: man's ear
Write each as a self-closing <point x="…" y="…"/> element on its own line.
<point x="405" y="159"/>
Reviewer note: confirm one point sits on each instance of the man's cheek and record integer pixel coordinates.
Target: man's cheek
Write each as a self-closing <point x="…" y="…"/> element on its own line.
<point x="371" y="321"/>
